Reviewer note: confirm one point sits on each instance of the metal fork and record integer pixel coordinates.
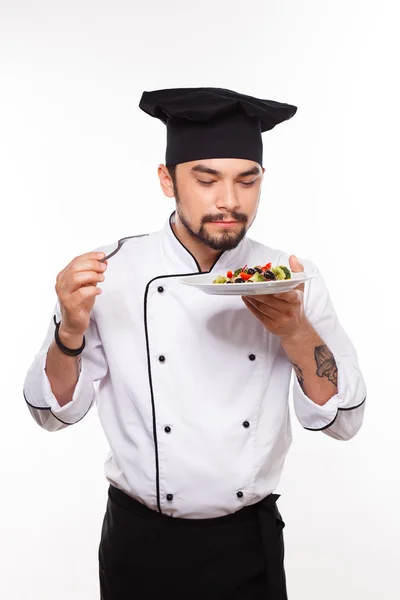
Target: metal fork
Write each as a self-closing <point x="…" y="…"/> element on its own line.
<point x="121" y="242"/>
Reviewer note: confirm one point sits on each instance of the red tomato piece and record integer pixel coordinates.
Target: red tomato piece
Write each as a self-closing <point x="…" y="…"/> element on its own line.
<point x="245" y="276"/>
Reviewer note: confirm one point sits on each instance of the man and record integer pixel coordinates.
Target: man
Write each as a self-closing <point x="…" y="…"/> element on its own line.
<point x="192" y="389"/>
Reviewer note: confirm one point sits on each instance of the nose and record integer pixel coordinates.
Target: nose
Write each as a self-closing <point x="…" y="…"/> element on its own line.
<point x="228" y="198"/>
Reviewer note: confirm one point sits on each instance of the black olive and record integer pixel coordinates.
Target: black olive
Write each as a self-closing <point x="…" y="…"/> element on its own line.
<point x="228" y="281"/>
<point x="258" y="270"/>
<point x="239" y="280"/>
<point x="251" y="271"/>
<point x="269" y="275"/>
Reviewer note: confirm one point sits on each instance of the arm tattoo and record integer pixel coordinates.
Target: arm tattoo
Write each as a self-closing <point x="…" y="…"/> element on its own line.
<point x="326" y="364"/>
<point x="300" y="375"/>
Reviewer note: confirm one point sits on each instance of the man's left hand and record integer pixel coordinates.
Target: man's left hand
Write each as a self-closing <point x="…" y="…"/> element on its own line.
<point x="281" y="314"/>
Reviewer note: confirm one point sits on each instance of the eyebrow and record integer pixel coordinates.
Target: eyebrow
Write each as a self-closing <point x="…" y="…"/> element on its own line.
<point x="208" y="171"/>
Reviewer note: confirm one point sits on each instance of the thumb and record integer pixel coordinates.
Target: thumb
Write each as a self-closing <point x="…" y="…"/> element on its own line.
<point x="295" y="264"/>
<point x="296" y="267"/>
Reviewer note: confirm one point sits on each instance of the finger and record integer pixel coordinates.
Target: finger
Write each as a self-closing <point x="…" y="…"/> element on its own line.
<point x="295" y="265"/>
<point x="73" y="301"/>
<point x="300" y="287"/>
<point x="278" y="301"/>
<point x="87" y="292"/>
<point x="97" y="256"/>
<point x="87" y="265"/>
<point x="84" y="293"/>
<point x="261" y="311"/>
<point x="76" y="280"/>
<point x="92" y="256"/>
<point x="265" y="309"/>
<point x="292" y="297"/>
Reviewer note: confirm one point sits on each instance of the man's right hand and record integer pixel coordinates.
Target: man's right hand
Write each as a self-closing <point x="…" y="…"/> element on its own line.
<point x="76" y="288"/>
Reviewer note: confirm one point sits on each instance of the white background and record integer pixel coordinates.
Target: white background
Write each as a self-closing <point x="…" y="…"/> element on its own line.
<point x="78" y="164"/>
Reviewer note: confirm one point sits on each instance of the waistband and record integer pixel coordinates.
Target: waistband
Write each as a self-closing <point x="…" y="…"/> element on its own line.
<point x="245" y="514"/>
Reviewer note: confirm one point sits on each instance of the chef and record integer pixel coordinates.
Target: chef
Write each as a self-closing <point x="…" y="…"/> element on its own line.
<point x="192" y="389"/>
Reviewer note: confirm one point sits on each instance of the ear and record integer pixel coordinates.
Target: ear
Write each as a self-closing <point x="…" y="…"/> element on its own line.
<point x="165" y="181"/>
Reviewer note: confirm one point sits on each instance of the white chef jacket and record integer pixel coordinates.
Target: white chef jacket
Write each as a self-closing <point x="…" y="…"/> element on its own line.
<point x="191" y="389"/>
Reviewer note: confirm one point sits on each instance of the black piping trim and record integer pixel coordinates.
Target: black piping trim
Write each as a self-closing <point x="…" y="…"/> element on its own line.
<point x="49" y="408"/>
<point x="353" y="407"/>
<point x="153" y="409"/>
<point x="153" y="406"/>
<point x="188" y="251"/>
<point x="336" y="416"/>
<point x="326" y="426"/>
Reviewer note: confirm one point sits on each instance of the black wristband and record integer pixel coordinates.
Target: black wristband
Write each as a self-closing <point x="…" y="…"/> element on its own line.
<point x="63" y="348"/>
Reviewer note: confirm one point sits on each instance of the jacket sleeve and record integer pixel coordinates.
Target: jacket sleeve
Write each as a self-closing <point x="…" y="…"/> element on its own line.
<point x="342" y="416"/>
<point x="38" y="394"/>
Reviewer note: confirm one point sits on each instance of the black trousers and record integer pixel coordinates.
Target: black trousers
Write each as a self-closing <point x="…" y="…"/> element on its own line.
<point x="144" y="554"/>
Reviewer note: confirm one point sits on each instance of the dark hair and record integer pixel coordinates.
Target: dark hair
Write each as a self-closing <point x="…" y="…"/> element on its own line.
<point x="172" y="173"/>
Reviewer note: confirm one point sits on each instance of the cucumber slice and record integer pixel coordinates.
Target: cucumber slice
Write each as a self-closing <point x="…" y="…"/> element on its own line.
<point x="288" y="274"/>
<point x="279" y="272"/>
<point x="220" y="279"/>
<point x="257" y="277"/>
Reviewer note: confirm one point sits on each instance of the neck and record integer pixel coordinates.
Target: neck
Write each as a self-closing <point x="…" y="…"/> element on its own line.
<point x="204" y="255"/>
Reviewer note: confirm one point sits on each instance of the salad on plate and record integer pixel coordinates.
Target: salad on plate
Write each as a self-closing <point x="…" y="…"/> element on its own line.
<point x="256" y="274"/>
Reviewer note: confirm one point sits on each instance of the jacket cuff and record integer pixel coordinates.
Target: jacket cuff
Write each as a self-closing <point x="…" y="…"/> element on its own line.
<point x="310" y="414"/>
<point x="39" y="395"/>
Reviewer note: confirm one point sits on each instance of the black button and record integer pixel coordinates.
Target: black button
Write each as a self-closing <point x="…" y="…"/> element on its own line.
<point x="169" y="497"/>
<point x="252" y="357"/>
<point x="161" y="358"/>
<point x="239" y="494"/>
<point x="246" y="424"/>
<point x="167" y="429"/>
<point x="161" y="289"/>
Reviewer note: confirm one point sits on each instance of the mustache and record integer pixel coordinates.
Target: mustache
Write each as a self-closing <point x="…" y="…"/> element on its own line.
<point x="241" y="218"/>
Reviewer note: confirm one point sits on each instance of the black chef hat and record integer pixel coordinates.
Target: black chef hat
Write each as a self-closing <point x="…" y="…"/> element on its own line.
<point x="213" y="122"/>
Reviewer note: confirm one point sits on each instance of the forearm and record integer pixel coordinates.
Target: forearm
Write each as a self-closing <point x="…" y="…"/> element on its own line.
<point x="313" y="362"/>
<point x="63" y="370"/>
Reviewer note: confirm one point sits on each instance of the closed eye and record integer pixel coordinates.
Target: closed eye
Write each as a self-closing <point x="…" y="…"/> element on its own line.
<point x="249" y="183"/>
<point x="206" y="183"/>
<point x="244" y="183"/>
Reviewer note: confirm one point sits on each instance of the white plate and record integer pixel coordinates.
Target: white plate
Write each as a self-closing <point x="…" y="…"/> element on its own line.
<point x="204" y="283"/>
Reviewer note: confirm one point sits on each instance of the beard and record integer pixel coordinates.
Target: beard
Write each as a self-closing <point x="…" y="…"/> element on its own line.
<point x="225" y="240"/>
